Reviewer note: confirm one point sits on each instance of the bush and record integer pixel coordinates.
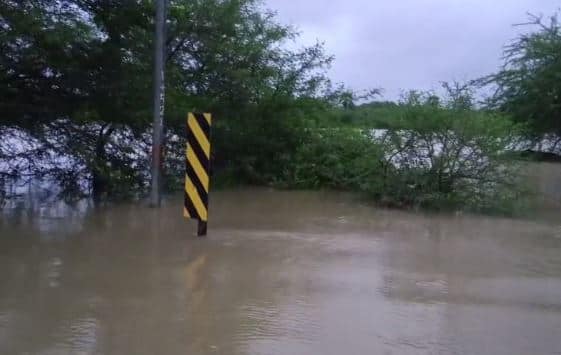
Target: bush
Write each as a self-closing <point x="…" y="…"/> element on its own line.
<point x="444" y="158"/>
<point x="429" y="156"/>
<point x="340" y="158"/>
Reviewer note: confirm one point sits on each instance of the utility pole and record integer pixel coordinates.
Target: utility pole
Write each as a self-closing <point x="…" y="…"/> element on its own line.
<point x="158" y="101"/>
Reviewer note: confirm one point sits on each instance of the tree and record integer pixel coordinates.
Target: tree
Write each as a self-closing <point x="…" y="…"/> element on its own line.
<point x="76" y="79"/>
<point x="528" y="86"/>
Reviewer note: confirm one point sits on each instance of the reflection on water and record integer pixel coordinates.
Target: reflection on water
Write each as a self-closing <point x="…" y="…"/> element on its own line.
<point x="279" y="273"/>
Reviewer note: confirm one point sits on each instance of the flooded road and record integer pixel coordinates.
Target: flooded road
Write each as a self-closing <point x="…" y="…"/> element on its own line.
<point x="279" y="273"/>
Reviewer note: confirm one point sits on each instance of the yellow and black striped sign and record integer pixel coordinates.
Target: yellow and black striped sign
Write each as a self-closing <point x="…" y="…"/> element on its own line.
<point x="198" y="166"/>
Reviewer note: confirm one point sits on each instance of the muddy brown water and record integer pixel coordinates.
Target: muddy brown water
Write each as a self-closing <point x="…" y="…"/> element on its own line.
<point x="279" y="273"/>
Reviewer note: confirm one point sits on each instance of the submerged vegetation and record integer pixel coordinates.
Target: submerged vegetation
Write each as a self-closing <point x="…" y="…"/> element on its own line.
<point x="77" y="77"/>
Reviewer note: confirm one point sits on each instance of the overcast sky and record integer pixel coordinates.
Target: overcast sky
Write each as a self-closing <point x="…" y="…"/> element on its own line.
<point x="409" y="44"/>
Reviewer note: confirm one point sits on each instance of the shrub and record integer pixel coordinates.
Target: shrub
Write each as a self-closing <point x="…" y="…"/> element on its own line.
<point x="439" y="157"/>
<point x="340" y="158"/>
<point x="429" y="156"/>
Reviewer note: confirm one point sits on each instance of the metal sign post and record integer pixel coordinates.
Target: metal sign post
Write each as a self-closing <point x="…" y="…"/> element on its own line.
<point x="197" y="170"/>
<point x="158" y="102"/>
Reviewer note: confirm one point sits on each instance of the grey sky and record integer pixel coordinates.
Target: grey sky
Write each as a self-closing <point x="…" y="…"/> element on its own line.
<point x="409" y="44"/>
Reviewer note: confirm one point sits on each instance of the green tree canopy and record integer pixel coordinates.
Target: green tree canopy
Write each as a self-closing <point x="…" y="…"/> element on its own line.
<point x="529" y="84"/>
<point x="81" y="70"/>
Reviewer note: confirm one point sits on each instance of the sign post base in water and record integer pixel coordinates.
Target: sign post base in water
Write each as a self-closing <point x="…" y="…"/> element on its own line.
<point x="201" y="228"/>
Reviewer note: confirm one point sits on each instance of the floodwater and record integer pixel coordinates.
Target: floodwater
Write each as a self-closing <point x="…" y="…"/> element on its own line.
<point x="279" y="273"/>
